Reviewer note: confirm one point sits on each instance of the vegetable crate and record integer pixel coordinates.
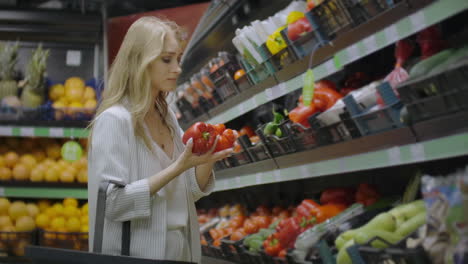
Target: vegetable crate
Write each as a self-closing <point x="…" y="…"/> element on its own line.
<point x="233" y="250"/>
<point x="243" y="83"/>
<point x="438" y="94"/>
<point x="223" y="81"/>
<point x="343" y="130"/>
<point x="303" y="46"/>
<point x="10" y="113"/>
<point x="333" y="17"/>
<point x="370" y="121"/>
<point x="13" y="243"/>
<point x="66" y="240"/>
<point x="257" y="73"/>
<point x="279" y="60"/>
<point x="277" y="146"/>
<point x="239" y="159"/>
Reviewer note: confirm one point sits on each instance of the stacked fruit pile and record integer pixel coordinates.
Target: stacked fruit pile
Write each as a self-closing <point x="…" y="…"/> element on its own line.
<point x="39" y="161"/>
<point x="72" y="97"/>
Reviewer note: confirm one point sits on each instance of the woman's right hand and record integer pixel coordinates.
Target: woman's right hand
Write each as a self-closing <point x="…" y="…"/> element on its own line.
<point x="188" y="159"/>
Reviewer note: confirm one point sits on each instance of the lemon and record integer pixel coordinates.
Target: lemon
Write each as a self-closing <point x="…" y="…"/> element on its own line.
<point x="56" y="91"/>
<point x="70" y="202"/>
<point x="58" y="223"/>
<point x="73" y="225"/>
<point x="42" y="220"/>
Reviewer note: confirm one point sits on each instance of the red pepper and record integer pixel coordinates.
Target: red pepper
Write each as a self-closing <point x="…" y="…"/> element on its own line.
<point x="272" y="246"/>
<point x="298" y="28"/>
<point x="282" y="254"/>
<point x="226" y="140"/>
<point x="238" y="234"/>
<point x="328" y="211"/>
<point x="301" y="113"/>
<point x="367" y="194"/>
<point x="304" y="209"/>
<point x="328" y="95"/>
<point x="203" y="136"/>
<point x="219" y="128"/>
<point x="247" y="130"/>
<point x="289" y="229"/>
<point x="337" y="195"/>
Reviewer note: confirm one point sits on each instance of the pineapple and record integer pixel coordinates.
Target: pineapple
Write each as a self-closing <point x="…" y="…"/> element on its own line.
<point x="8" y="59"/>
<point x="34" y="92"/>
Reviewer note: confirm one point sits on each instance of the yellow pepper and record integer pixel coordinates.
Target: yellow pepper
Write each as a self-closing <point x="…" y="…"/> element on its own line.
<point x="275" y="42"/>
<point x="293" y="16"/>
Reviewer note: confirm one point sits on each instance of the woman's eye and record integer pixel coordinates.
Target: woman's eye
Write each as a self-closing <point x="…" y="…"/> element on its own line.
<point x="166" y="60"/>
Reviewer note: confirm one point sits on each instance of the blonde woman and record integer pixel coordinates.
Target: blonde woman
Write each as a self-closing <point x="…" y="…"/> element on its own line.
<point x="136" y="139"/>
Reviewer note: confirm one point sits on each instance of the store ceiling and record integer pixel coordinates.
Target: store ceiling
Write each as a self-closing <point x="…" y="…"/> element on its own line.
<point x="114" y="7"/>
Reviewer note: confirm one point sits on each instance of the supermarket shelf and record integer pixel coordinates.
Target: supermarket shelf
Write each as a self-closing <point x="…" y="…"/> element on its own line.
<point x="337" y="59"/>
<point x="51" y="132"/>
<point x="43" y="192"/>
<point x="440" y="148"/>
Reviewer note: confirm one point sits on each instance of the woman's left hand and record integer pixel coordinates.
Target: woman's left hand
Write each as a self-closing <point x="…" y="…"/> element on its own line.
<point x="189" y="159"/>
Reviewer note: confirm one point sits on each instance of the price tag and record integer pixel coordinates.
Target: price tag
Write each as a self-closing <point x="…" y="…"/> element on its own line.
<point x="353" y="53"/>
<point x="27" y="131"/>
<point x="305" y="173"/>
<point x="330" y="66"/>
<point x="73" y="58"/>
<point x="370" y="43"/>
<point x="394" y="156"/>
<point x="56" y="132"/>
<point x="258" y="177"/>
<point x="392" y="34"/>
<point x="71" y="151"/>
<point x="269" y="94"/>
<point x="418" y="21"/>
<point x="6" y="131"/>
<point x="277" y="175"/>
<point x="417" y="152"/>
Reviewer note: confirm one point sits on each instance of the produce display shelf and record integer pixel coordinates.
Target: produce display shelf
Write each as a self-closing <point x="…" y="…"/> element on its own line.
<point x="210" y="260"/>
<point x="427" y="16"/>
<point x="440" y="148"/>
<point x="51" y="132"/>
<point x="43" y="192"/>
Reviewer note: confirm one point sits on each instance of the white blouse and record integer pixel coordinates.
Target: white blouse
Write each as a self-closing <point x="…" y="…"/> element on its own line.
<point x="116" y="153"/>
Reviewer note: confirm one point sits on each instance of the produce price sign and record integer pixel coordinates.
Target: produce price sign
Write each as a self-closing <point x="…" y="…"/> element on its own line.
<point x="71" y="151"/>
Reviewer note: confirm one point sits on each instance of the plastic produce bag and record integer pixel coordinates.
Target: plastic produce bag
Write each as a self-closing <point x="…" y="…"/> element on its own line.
<point x="446" y="200"/>
<point x="403" y="51"/>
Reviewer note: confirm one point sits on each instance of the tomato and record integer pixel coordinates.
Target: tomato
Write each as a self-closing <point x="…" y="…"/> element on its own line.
<point x="301" y="113"/>
<point x="250" y="227"/>
<point x="325" y="84"/>
<point x="239" y="74"/>
<point x="247" y="130"/>
<point x="226" y="140"/>
<point x="262" y="221"/>
<point x="282" y="253"/>
<point x="263" y="210"/>
<point x="284" y="214"/>
<point x="215" y="233"/>
<point x="224" y="211"/>
<point x="203" y="219"/>
<point x="217" y="242"/>
<point x="203" y="241"/>
<point x="298" y="28"/>
<point x="214" y="68"/>
<point x="238" y="234"/>
<point x="276" y="210"/>
<point x="219" y="128"/>
<point x="237" y="221"/>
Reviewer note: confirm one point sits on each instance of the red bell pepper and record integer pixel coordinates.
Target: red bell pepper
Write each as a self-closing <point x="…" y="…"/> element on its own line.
<point x="226" y="140"/>
<point x="247" y="130"/>
<point x="298" y="28"/>
<point x="301" y="113"/>
<point x="219" y="128"/>
<point x="272" y="246"/>
<point x="203" y="136"/>
<point x="287" y="231"/>
<point x="337" y="196"/>
<point x="327" y="211"/>
<point x="367" y="194"/>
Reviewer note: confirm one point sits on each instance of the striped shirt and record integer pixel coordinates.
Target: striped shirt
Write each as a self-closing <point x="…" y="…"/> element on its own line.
<point x="116" y="153"/>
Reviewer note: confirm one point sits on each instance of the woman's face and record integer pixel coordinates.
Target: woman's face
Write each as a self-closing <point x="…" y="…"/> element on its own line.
<point x="165" y="69"/>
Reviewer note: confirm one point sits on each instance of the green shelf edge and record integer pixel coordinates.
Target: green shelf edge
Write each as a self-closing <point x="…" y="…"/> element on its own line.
<point x="445" y="147"/>
<point x="44" y="192"/>
<point x="50" y="132"/>
<point x="427" y="16"/>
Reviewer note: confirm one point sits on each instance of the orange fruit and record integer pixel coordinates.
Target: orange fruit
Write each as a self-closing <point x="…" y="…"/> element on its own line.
<point x="73" y="224"/>
<point x="5" y="174"/>
<point x="56" y="91"/>
<point x="33" y="210"/>
<point x="21" y="172"/>
<point x="74" y="83"/>
<point x="43" y="205"/>
<point x="58" y="223"/>
<point x="39" y="155"/>
<point x="11" y="158"/>
<point x="5" y="220"/>
<point x="74" y="94"/>
<point x="82" y="176"/>
<point x="37" y="175"/>
<point x="70" y="202"/>
<point x="54" y="151"/>
<point x="17" y="209"/>
<point x="25" y="223"/>
<point x="52" y="174"/>
<point x="28" y="160"/>
<point x="89" y="93"/>
<point x="4" y="206"/>
<point x="67" y="176"/>
<point x="90" y="104"/>
<point x="42" y="221"/>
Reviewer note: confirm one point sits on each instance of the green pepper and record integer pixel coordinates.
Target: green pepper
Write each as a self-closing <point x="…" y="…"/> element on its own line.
<point x="255" y="245"/>
<point x="270" y="128"/>
<point x="278" y="132"/>
<point x="277" y="117"/>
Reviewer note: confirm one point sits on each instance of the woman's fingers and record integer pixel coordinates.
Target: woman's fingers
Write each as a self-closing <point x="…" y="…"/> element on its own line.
<point x="189" y="145"/>
<point x="214" y="145"/>
<point x="222" y="154"/>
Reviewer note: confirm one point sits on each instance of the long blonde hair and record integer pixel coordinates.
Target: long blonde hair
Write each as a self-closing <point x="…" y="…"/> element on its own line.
<point x="129" y="76"/>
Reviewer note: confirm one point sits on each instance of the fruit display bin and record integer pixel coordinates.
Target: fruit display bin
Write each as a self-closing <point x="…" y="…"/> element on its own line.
<point x="303" y="46"/>
<point x="232" y="250"/>
<point x="279" y="60"/>
<point x="437" y="94"/>
<point x="303" y="138"/>
<point x="8" y="113"/>
<point x="66" y="240"/>
<point x="370" y="120"/>
<point x="14" y="243"/>
<point x="243" y="83"/>
<point x="278" y="146"/>
<point x="224" y="82"/>
<point x="340" y="131"/>
<point x="334" y="17"/>
<point x="257" y="73"/>
<point x="239" y="159"/>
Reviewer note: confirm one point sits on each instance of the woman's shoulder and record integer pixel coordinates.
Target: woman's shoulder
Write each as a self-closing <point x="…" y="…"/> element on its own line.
<point x="117" y="112"/>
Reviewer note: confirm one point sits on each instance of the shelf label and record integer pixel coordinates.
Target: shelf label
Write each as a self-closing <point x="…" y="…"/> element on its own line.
<point x="55" y="132"/>
<point x="370" y="44"/>
<point x="258" y="177"/>
<point x="2" y="191"/>
<point x="330" y="66"/>
<point x="73" y="58"/>
<point x="71" y="151"/>
<point x="417" y="152"/>
<point x="277" y="175"/>
<point x="394" y="156"/>
<point x="353" y="53"/>
<point x="27" y="131"/>
<point x="6" y="130"/>
<point x="391" y="34"/>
